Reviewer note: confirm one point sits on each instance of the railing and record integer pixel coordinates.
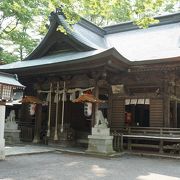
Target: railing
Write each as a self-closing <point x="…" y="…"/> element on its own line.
<point x="146" y="138"/>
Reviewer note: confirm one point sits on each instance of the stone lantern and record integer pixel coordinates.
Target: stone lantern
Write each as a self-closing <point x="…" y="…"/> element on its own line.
<point x="8" y="83"/>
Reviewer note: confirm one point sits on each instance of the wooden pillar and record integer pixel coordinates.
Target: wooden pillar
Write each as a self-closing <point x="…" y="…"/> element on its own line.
<point x="109" y="111"/>
<point x="167" y="112"/>
<point x="175" y="114"/>
<point x="2" y="121"/>
<point x="38" y="119"/>
<point x="96" y="106"/>
<point x="166" y="105"/>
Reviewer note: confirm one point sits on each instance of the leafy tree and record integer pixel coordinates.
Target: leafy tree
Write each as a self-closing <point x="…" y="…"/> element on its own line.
<point x="7" y="57"/>
<point x="17" y="20"/>
<point x="141" y="12"/>
<point x="22" y="21"/>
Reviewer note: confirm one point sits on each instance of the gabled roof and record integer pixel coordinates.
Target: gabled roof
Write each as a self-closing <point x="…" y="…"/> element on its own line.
<point x="81" y="35"/>
<point x="78" y="38"/>
<point x="159" y="41"/>
<point x="156" y="42"/>
<point x="85" y="41"/>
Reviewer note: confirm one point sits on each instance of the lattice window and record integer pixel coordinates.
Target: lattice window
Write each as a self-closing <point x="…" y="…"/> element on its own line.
<point x="6" y="92"/>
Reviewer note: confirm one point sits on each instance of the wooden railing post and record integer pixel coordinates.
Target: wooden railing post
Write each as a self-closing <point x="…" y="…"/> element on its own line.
<point x="121" y="143"/>
<point x="129" y="130"/>
<point x="129" y="144"/>
<point x="161" y="146"/>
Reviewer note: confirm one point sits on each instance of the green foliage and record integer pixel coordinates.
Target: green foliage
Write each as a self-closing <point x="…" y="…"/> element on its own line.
<point x="143" y="11"/>
<point x="7" y="57"/>
<point x="22" y="22"/>
<point x="103" y="12"/>
<point x="16" y="17"/>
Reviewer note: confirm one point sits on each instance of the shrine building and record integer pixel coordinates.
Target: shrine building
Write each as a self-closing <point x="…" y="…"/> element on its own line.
<point x="134" y="74"/>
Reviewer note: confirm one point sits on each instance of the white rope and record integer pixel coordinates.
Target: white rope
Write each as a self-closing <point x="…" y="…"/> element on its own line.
<point x="73" y="92"/>
<point x="79" y="89"/>
<point x="58" y="93"/>
<point x="41" y="91"/>
<point x="49" y="114"/>
<point x="63" y="99"/>
<point x="57" y="107"/>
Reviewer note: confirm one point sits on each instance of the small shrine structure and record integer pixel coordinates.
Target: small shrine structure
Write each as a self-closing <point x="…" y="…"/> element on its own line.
<point x="8" y="83"/>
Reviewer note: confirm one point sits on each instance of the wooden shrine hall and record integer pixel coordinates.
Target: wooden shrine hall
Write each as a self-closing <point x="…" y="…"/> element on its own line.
<point x="132" y="73"/>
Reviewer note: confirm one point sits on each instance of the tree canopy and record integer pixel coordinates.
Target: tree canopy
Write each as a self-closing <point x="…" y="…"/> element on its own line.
<point x="22" y="22"/>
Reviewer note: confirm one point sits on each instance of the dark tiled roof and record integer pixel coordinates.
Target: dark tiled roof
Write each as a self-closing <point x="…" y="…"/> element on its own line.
<point x="9" y="79"/>
<point x="157" y="42"/>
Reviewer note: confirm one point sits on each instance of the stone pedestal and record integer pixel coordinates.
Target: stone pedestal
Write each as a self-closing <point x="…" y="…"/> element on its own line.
<point x="12" y="136"/>
<point x="2" y="141"/>
<point x="100" y="142"/>
<point x="65" y="138"/>
<point x="11" y="132"/>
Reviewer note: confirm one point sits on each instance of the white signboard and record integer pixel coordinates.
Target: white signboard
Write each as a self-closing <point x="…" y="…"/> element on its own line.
<point x="133" y="101"/>
<point x="118" y="89"/>
<point x="140" y="101"/>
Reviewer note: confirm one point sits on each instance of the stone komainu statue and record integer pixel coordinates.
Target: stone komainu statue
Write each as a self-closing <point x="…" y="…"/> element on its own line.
<point x="100" y="120"/>
<point x="11" y="116"/>
<point x="10" y="122"/>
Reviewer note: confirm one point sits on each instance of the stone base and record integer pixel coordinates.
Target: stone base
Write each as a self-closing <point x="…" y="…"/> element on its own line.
<point x="65" y="138"/>
<point x="12" y="136"/>
<point x="2" y="149"/>
<point x="99" y="131"/>
<point x="61" y="143"/>
<point x="100" y="142"/>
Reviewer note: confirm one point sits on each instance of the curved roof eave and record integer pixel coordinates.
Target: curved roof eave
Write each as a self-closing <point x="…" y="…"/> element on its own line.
<point x="78" y="57"/>
<point x="41" y="45"/>
<point x="73" y="35"/>
<point x="119" y="56"/>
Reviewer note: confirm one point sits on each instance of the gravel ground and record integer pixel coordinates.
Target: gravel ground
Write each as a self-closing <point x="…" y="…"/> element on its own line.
<point x="61" y="166"/>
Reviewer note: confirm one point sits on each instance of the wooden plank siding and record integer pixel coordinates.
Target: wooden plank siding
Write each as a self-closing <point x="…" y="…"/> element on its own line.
<point x="156" y="113"/>
<point x="117" y="112"/>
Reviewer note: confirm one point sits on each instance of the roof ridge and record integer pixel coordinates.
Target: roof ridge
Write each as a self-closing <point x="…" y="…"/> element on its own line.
<point x="127" y="26"/>
<point x="91" y="26"/>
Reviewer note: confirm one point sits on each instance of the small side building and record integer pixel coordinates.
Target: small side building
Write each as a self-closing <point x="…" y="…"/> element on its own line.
<point x="8" y="83"/>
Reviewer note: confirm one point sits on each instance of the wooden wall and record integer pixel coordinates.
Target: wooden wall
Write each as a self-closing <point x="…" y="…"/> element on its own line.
<point x="156" y="113"/>
<point x="117" y="111"/>
<point x="26" y="124"/>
